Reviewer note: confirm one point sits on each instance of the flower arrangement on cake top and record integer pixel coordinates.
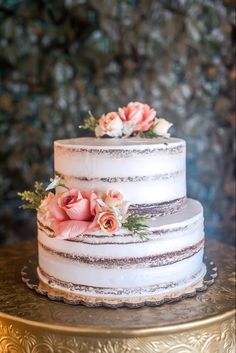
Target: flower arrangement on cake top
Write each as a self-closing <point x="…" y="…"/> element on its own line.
<point x="136" y="119"/>
<point x="72" y="212"/>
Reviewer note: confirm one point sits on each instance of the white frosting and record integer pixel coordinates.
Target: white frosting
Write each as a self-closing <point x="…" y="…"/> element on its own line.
<point x="118" y="277"/>
<point x="144" y="171"/>
<point x="173" y="233"/>
<point x="131" y="159"/>
<point x="119" y="143"/>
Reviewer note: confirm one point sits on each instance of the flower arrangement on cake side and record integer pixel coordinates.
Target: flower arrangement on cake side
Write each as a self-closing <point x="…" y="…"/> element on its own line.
<point x="72" y="212"/>
<point x="135" y="119"/>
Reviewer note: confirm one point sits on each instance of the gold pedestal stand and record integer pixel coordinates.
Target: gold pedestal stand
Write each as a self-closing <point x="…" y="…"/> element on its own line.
<point x="31" y="323"/>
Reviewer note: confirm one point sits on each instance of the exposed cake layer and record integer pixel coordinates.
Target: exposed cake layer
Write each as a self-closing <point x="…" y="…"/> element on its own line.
<point x="161" y="276"/>
<point x="171" y="256"/>
<point x="145" y="171"/>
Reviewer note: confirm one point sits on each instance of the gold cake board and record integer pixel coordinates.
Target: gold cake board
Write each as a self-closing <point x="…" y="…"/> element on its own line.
<point x="30" y="322"/>
<point x="30" y="276"/>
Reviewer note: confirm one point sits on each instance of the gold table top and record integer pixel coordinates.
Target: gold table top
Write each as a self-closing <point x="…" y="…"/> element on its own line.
<point x="22" y="307"/>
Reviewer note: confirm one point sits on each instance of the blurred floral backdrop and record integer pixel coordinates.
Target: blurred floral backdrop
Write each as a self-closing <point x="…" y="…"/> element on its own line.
<point x="59" y="59"/>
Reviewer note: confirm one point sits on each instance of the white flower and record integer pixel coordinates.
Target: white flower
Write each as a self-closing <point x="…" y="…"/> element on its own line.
<point x="161" y="127"/>
<point x="109" y="124"/>
<point x="129" y="128"/>
<point x="54" y="183"/>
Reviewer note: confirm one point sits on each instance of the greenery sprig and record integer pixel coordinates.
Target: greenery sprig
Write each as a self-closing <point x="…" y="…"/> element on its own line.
<point x="134" y="223"/>
<point x="33" y="198"/>
<point x="89" y="123"/>
<point x="150" y="134"/>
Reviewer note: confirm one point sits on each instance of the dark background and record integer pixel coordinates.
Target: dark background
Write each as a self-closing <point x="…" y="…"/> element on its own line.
<point x="59" y="59"/>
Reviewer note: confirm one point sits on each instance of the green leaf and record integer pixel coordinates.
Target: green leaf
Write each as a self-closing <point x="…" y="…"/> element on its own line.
<point x="151" y="134"/>
<point x="63" y="186"/>
<point x="148" y="134"/>
<point x="33" y="198"/>
<point x="134" y="223"/>
<point x="89" y="123"/>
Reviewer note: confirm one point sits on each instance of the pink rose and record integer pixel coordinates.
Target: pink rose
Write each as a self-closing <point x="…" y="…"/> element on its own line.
<point x="137" y="117"/>
<point x="113" y="198"/>
<point x="109" y="124"/>
<point x="108" y="222"/>
<point x="75" y="205"/>
<point x="50" y="209"/>
<point x="70" y="229"/>
<point x="93" y="198"/>
<point x="70" y="214"/>
<point x="80" y="207"/>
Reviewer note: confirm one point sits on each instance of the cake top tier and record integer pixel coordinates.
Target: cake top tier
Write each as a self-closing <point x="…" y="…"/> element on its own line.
<point x="132" y="143"/>
<point x="145" y="171"/>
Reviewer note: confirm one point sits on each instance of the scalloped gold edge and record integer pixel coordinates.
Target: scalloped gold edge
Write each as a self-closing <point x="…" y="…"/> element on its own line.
<point x="134" y="302"/>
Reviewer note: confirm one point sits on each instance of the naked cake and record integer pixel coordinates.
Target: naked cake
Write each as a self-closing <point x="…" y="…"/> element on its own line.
<point x="119" y="227"/>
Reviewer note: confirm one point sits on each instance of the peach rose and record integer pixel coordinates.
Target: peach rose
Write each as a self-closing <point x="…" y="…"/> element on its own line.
<point x="93" y="198"/>
<point x="70" y="214"/>
<point x="75" y="205"/>
<point x="108" y="222"/>
<point x="113" y="198"/>
<point x="137" y="117"/>
<point x="109" y="124"/>
<point x="50" y="209"/>
<point x="71" y="229"/>
<point x="80" y="208"/>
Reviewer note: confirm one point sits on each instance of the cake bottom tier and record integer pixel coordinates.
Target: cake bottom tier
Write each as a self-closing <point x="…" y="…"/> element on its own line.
<point x="95" y="266"/>
<point x="170" y="280"/>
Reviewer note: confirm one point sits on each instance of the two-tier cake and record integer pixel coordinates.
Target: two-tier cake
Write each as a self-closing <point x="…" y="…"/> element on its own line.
<point x="120" y="228"/>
